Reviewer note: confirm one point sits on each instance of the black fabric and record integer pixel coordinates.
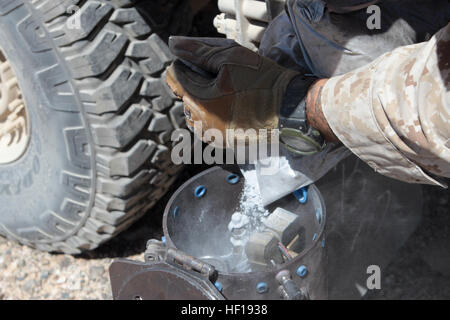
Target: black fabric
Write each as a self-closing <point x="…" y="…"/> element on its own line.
<point x="349" y="3"/>
<point x="295" y="93"/>
<point x="333" y="43"/>
<point x="342" y="6"/>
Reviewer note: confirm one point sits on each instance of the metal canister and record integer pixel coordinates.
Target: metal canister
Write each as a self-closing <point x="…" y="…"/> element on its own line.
<point x="200" y="230"/>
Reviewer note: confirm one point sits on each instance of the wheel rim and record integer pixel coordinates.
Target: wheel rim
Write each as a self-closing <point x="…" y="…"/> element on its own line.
<point x="14" y="119"/>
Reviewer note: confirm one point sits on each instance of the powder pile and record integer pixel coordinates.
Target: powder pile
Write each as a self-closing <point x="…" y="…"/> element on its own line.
<point x="247" y="219"/>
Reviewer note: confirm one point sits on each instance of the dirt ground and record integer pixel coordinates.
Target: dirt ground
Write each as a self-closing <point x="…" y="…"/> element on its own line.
<point x="29" y="274"/>
<point x="421" y="269"/>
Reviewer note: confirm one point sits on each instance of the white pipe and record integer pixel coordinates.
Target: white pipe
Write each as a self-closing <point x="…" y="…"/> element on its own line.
<point x="251" y="9"/>
<point x="229" y="27"/>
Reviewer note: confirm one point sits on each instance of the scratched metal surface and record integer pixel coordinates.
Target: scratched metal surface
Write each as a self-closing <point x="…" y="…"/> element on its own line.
<point x="370" y="217"/>
<point x="403" y="228"/>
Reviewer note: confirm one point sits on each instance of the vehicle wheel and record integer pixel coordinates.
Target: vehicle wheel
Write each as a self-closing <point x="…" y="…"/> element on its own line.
<point x="85" y="121"/>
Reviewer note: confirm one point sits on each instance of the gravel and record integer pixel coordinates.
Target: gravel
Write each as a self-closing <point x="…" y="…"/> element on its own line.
<point x="26" y="273"/>
<point x="29" y="274"/>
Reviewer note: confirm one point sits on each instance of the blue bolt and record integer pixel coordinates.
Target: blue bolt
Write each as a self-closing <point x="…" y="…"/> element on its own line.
<point x="176" y="212"/>
<point x="262" y="287"/>
<point x="163" y="240"/>
<point x="323" y="243"/>
<point x="233" y="178"/>
<point x="314" y="236"/>
<point x="200" y="191"/>
<point x="302" y="271"/>
<point x="319" y="215"/>
<point x="219" y="286"/>
<point x="302" y="195"/>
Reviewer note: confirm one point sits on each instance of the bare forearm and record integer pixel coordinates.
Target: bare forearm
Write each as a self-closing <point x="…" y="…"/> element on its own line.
<point x="314" y="112"/>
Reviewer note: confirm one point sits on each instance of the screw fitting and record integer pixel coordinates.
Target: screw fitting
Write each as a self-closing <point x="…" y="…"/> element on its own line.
<point x="262" y="287"/>
<point x="302" y="271"/>
<point x="200" y="192"/>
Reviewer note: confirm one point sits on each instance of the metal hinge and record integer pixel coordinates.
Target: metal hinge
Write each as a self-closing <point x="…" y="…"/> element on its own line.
<point x="190" y="263"/>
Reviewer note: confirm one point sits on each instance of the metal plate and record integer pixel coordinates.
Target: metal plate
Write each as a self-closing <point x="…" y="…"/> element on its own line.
<point x="132" y="280"/>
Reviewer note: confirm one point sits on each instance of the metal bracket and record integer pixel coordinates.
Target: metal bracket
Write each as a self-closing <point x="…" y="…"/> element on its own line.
<point x="158" y="280"/>
<point x="288" y="289"/>
<point x="156" y="251"/>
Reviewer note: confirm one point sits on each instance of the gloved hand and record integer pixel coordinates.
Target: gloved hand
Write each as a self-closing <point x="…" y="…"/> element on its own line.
<point x="226" y="86"/>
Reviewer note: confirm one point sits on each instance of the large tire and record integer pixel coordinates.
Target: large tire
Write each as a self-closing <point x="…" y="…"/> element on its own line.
<point x="101" y="119"/>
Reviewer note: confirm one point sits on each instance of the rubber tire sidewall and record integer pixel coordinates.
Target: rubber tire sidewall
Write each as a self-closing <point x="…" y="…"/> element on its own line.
<point x="37" y="190"/>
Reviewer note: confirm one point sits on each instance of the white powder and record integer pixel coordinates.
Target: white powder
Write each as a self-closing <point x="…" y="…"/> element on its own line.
<point x="246" y="220"/>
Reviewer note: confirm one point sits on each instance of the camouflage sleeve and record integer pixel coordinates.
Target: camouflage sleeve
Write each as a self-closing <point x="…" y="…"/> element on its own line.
<point x="395" y="113"/>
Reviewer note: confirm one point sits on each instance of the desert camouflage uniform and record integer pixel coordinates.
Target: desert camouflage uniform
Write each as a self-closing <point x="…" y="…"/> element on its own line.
<point x="395" y="113"/>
